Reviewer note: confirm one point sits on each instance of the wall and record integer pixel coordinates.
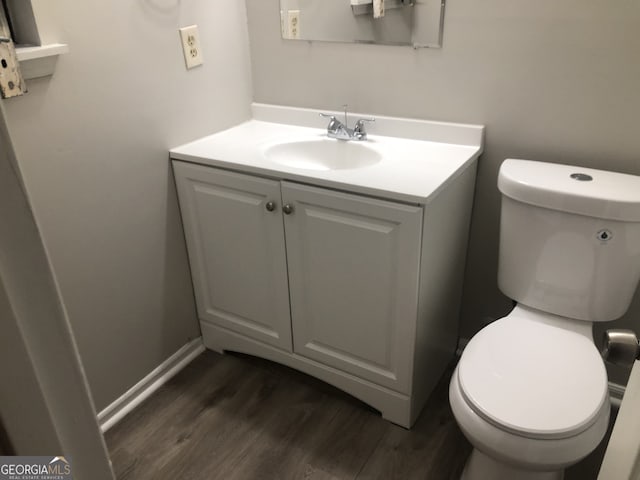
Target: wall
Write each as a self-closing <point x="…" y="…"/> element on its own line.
<point x="40" y="371"/>
<point x="552" y="81"/>
<point x="33" y="433"/>
<point x="92" y="145"/>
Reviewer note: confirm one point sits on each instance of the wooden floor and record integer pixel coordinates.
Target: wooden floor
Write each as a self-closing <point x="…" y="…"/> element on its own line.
<point x="238" y="417"/>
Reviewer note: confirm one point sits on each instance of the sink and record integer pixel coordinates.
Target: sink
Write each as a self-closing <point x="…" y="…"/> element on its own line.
<point x="406" y="160"/>
<point x="323" y="154"/>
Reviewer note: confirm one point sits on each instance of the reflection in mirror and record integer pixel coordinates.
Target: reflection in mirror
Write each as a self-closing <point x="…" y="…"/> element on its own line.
<point x="392" y="22"/>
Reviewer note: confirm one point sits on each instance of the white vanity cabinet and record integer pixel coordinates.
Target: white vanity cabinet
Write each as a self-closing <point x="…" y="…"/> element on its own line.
<point x="358" y="291"/>
<point x="237" y="251"/>
<point x="343" y="260"/>
<point x="353" y="280"/>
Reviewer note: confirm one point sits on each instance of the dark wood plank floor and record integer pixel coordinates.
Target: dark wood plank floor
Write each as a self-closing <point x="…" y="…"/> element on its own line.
<point x="239" y="417"/>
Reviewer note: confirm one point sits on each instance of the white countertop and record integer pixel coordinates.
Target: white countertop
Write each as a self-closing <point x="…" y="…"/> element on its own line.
<point x="412" y="170"/>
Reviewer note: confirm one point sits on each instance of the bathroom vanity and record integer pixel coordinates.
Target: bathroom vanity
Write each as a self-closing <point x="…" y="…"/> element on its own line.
<point x="340" y="259"/>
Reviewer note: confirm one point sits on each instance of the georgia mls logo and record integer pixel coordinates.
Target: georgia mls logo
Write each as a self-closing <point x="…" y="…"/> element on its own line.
<point x="35" y="468"/>
<point x="60" y="466"/>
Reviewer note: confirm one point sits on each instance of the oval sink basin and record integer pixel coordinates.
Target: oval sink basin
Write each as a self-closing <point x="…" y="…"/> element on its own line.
<point x="323" y="154"/>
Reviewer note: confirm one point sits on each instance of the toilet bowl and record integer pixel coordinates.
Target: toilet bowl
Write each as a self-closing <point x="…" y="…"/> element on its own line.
<point x="530" y="391"/>
<point x="531" y="395"/>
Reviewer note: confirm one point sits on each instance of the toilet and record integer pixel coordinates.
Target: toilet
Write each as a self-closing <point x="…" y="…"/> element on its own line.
<point x="530" y="391"/>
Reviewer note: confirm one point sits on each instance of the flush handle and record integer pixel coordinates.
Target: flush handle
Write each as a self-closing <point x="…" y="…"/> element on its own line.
<point x="621" y="347"/>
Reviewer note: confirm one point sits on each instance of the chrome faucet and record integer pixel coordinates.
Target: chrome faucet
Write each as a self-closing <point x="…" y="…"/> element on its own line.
<point x="339" y="130"/>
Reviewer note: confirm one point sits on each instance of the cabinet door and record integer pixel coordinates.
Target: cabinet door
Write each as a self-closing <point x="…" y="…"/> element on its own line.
<point x="353" y="276"/>
<point x="236" y="251"/>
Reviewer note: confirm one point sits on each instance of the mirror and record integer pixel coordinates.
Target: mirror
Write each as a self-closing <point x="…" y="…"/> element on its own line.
<point x="405" y="22"/>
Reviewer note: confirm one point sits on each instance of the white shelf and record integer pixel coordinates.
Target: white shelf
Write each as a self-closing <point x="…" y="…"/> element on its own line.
<point x="40" y="61"/>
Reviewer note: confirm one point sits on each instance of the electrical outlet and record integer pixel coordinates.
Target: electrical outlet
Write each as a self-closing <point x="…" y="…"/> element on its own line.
<point x="191" y="46"/>
<point x="293" y="24"/>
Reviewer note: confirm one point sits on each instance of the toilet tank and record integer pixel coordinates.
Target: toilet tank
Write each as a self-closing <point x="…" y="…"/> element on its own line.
<point x="569" y="239"/>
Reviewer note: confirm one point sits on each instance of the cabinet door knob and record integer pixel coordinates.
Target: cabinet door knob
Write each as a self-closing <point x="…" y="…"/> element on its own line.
<point x="270" y="206"/>
<point x="287" y="209"/>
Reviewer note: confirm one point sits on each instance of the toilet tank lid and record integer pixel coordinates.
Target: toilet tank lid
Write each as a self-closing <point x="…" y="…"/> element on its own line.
<point x="567" y="188"/>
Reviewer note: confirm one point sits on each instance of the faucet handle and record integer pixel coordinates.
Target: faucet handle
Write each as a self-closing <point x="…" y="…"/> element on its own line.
<point x="359" y="131"/>
<point x="360" y="122"/>
<point x="332" y="118"/>
<point x="334" y="123"/>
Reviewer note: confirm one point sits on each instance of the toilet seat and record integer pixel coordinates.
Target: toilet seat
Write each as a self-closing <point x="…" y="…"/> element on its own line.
<point x="533" y="379"/>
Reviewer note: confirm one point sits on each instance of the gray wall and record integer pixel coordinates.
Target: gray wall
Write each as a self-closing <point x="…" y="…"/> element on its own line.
<point x="552" y="81"/>
<point x="40" y="371"/>
<point x="33" y="433"/>
<point x="92" y="145"/>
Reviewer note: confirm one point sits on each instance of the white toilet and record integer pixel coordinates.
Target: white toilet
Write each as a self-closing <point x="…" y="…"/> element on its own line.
<point x="530" y="391"/>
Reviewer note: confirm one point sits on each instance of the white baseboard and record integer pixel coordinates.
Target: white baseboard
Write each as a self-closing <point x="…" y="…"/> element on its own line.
<point x="616" y="391"/>
<point x="142" y="390"/>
